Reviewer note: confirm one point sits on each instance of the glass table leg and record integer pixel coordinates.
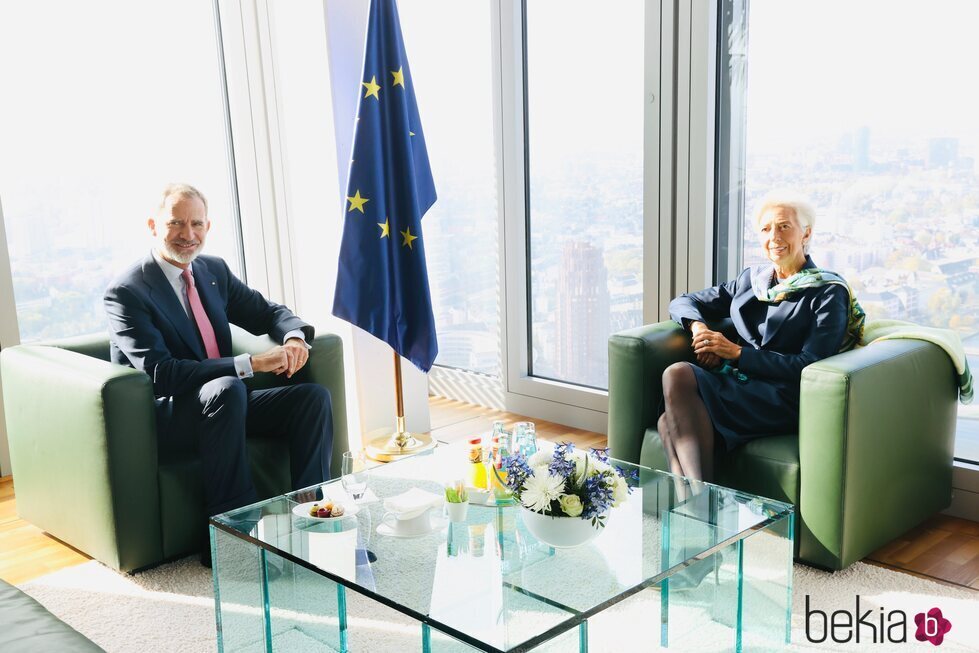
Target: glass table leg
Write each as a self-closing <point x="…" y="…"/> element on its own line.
<point x="765" y="587"/>
<point x="266" y="613"/>
<point x="238" y="582"/>
<point x="664" y="587"/>
<point x="342" y="616"/>
<point x="740" y="619"/>
<point x="788" y="585"/>
<point x="426" y="638"/>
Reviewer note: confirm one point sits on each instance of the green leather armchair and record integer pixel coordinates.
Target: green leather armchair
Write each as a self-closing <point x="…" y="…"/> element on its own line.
<point x="872" y="458"/>
<point x="83" y="448"/>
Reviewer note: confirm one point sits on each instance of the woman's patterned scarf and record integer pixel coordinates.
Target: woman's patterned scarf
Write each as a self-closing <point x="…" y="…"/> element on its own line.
<point x="810" y="278"/>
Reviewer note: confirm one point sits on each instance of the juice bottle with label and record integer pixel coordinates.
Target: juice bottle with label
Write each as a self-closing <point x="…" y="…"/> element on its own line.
<point x="477" y="470"/>
<point x="501" y="451"/>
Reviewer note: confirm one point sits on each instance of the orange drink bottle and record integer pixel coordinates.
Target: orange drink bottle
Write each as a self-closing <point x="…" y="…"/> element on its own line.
<point x="477" y="470"/>
<point x="500" y="453"/>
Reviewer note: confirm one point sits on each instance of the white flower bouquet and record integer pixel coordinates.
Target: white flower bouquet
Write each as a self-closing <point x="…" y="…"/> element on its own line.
<point x="568" y="482"/>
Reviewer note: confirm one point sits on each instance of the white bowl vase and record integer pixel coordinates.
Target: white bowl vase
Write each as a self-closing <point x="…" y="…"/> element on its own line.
<point x="559" y="532"/>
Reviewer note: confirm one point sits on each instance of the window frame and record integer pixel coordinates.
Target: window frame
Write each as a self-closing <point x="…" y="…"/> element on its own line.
<point x="255" y="143"/>
<point x="9" y="333"/>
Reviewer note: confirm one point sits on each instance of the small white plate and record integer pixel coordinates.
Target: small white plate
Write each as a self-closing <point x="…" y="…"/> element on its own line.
<point x="302" y="510"/>
<point x="478" y="496"/>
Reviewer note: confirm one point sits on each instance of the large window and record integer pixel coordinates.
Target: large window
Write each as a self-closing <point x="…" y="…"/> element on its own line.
<point x="305" y="119"/>
<point x="585" y="171"/>
<point x="873" y="117"/>
<point x="103" y="104"/>
<point x="455" y="100"/>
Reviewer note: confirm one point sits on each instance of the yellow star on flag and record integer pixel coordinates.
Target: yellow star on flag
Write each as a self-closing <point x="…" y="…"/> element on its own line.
<point x="372" y="88"/>
<point x="357" y="202"/>
<point x="399" y="77"/>
<point x="408" y="238"/>
<point x="385" y="228"/>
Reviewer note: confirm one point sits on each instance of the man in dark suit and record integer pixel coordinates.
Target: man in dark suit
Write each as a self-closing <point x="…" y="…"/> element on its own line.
<point x="169" y="316"/>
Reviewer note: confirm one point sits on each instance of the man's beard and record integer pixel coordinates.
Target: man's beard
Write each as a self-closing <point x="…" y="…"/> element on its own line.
<point x="184" y="258"/>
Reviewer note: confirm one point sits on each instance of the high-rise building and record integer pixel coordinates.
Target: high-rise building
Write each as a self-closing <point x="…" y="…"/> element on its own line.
<point x="582" y="316"/>
<point x="942" y="152"/>
<point x="861" y="149"/>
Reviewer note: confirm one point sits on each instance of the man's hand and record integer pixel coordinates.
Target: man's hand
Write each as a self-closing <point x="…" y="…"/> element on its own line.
<point x="287" y="359"/>
<point x="298" y="354"/>
<point x="275" y="360"/>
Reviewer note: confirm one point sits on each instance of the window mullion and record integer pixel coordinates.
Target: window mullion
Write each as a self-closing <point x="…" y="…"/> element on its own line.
<point x="9" y="334"/>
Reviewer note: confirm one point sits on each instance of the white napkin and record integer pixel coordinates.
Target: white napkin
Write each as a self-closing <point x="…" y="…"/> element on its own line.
<point x="414" y="500"/>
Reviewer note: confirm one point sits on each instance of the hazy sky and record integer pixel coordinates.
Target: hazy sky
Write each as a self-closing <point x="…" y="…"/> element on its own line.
<point x="905" y="69"/>
<point x="104" y="103"/>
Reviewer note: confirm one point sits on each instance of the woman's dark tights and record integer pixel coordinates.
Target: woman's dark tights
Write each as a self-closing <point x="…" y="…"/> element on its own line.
<point x="685" y="428"/>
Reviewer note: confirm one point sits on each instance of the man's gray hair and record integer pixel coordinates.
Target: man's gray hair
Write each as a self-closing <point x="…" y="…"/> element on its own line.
<point x="184" y="191"/>
<point x="783" y="198"/>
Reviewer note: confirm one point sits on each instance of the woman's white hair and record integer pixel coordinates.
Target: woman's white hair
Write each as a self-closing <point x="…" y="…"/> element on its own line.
<point x="784" y="198"/>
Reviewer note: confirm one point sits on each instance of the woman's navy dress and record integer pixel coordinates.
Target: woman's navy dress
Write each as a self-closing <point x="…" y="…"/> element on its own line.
<point x="778" y="341"/>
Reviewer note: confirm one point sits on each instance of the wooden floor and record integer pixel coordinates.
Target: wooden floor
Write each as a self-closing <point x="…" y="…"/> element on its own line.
<point x="26" y="552"/>
<point x="944" y="548"/>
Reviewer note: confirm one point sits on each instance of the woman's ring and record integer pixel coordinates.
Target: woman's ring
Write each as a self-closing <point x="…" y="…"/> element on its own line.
<point x="707" y="341"/>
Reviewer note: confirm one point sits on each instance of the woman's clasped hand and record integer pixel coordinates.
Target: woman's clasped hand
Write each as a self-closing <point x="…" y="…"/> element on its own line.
<point x="712" y="347"/>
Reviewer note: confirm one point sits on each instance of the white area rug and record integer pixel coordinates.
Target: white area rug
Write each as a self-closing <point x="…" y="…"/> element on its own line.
<point x="171" y="608"/>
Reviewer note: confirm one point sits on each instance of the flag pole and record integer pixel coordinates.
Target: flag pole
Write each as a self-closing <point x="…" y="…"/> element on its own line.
<point x="386" y="446"/>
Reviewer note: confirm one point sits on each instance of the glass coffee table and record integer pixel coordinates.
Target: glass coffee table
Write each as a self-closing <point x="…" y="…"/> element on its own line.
<point x="681" y="565"/>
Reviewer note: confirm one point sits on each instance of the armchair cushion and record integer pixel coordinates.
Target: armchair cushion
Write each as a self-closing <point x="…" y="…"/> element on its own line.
<point x="26" y="626"/>
<point x="768" y="466"/>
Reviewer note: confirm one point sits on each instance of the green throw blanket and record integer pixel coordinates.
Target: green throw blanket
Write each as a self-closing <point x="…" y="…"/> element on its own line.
<point x="947" y="339"/>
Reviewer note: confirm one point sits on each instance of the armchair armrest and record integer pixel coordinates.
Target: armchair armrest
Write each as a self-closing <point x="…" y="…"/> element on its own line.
<point x="83" y="449"/>
<point x="881" y="416"/>
<point x="325" y="367"/>
<point x="636" y="360"/>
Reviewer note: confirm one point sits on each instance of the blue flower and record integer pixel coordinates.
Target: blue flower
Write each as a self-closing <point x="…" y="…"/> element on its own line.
<point x="560" y="465"/>
<point x="517" y="471"/>
<point x="631" y="476"/>
<point x="601" y="454"/>
<point x="598" y="496"/>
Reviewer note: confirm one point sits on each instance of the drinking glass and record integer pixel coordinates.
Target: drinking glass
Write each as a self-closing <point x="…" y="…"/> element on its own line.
<point x="354" y="473"/>
<point x="525" y="438"/>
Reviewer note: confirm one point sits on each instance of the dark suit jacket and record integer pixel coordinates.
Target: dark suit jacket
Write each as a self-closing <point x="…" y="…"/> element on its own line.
<point x="807" y="327"/>
<point x="150" y="331"/>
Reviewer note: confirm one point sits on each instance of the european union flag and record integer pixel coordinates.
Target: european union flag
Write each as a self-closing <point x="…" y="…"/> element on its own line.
<point x="382" y="282"/>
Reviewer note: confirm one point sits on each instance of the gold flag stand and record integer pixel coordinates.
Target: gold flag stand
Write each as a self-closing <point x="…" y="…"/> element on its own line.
<point x="386" y="446"/>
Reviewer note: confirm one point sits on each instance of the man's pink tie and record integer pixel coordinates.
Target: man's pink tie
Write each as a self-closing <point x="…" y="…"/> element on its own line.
<point x="200" y="317"/>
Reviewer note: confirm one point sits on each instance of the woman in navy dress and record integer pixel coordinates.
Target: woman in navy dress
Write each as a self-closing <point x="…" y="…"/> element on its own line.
<point x="788" y="313"/>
